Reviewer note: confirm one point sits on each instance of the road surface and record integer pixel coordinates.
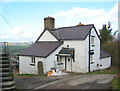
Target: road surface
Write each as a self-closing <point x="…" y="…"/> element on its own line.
<point x="87" y="81"/>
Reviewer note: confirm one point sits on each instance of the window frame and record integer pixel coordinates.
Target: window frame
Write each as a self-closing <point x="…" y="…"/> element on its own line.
<point x="73" y="56"/>
<point x="92" y="59"/>
<point x="92" y="40"/>
<point x="32" y="61"/>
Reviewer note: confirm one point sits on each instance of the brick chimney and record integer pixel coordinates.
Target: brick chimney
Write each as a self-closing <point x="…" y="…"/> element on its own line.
<point x="49" y="22"/>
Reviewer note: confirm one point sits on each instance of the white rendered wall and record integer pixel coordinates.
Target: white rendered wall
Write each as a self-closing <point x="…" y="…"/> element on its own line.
<point x="86" y="69"/>
<point x="37" y="59"/>
<point x="105" y="63"/>
<point x="79" y="46"/>
<point x="96" y="49"/>
<point x="51" y="60"/>
<point x="47" y="36"/>
<point x="25" y="67"/>
<point x="62" y="66"/>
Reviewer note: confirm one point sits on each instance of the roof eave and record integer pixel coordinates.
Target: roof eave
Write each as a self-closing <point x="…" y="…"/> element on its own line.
<point x="31" y="55"/>
<point x="105" y="57"/>
<point x="73" y="39"/>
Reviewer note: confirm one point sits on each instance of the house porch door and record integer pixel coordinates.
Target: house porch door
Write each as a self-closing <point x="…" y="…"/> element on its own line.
<point x="68" y="64"/>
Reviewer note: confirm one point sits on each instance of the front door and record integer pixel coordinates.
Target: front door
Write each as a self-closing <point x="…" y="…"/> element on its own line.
<point x="40" y="68"/>
<point x="68" y="64"/>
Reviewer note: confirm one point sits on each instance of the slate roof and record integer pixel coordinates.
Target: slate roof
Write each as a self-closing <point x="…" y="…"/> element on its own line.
<point x="104" y="54"/>
<point x="44" y="49"/>
<point x="75" y="32"/>
<point x="41" y="49"/>
<point x="67" y="51"/>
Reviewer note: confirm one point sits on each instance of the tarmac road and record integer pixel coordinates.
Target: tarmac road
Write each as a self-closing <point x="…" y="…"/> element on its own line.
<point x="87" y="81"/>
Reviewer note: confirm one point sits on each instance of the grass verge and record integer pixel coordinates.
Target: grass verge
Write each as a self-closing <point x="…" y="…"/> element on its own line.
<point x="32" y="75"/>
<point x="115" y="83"/>
<point x="111" y="70"/>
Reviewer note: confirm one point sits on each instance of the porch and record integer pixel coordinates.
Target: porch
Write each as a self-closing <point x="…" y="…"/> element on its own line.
<point x="65" y="59"/>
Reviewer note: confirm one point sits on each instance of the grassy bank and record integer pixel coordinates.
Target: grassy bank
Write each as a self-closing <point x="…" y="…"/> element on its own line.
<point x="115" y="83"/>
<point x="111" y="70"/>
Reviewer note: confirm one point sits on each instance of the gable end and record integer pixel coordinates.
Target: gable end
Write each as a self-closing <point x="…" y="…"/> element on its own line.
<point x="44" y="32"/>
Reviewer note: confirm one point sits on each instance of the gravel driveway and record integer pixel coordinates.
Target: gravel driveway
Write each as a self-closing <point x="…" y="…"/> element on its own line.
<point x="87" y="81"/>
<point x="34" y="82"/>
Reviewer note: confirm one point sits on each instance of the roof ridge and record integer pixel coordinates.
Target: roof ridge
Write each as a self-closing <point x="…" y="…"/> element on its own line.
<point x="74" y="26"/>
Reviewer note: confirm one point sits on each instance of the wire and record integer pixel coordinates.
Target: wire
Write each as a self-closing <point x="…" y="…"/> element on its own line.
<point x="12" y="27"/>
<point x="6" y="21"/>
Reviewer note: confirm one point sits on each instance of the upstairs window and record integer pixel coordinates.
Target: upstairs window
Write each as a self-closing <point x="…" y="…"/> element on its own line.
<point x="92" y="40"/>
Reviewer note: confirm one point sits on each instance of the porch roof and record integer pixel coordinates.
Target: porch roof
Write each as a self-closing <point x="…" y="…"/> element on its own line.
<point x="66" y="52"/>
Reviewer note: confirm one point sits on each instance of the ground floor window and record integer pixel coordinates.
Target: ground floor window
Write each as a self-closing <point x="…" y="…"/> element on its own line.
<point x="59" y="59"/>
<point x="91" y="58"/>
<point x="32" y="61"/>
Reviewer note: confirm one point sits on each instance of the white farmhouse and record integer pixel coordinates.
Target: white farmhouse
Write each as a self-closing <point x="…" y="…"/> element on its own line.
<point x="73" y="49"/>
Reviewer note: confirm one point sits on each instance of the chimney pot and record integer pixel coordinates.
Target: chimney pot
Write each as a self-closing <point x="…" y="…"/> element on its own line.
<point x="80" y="24"/>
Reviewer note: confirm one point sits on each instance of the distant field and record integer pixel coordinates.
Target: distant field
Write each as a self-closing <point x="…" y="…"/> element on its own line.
<point x="14" y="50"/>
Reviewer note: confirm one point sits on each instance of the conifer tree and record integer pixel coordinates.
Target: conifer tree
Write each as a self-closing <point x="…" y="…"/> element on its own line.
<point x="105" y="33"/>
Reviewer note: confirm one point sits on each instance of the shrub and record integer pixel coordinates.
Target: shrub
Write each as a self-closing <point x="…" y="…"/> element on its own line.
<point x="112" y="48"/>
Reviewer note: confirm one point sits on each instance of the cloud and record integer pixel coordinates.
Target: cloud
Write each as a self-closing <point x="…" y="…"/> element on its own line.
<point x="16" y="30"/>
<point x="88" y="16"/>
<point x="4" y="37"/>
<point x="112" y="15"/>
<point x="15" y="35"/>
<point x="79" y="12"/>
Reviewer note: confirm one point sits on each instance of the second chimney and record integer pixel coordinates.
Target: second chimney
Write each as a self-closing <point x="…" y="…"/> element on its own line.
<point x="49" y="22"/>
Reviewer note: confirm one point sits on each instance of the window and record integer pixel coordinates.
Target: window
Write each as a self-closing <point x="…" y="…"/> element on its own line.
<point x="91" y="58"/>
<point x="91" y="52"/>
<point x="92" y="40"/>
<point x="73" y="56"/>
<point x="32" y="61"/>
<point x="59" y="59"/>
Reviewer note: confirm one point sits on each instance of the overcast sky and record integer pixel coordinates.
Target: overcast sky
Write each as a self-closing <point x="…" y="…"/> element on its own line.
<point x="24" y="21"/>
